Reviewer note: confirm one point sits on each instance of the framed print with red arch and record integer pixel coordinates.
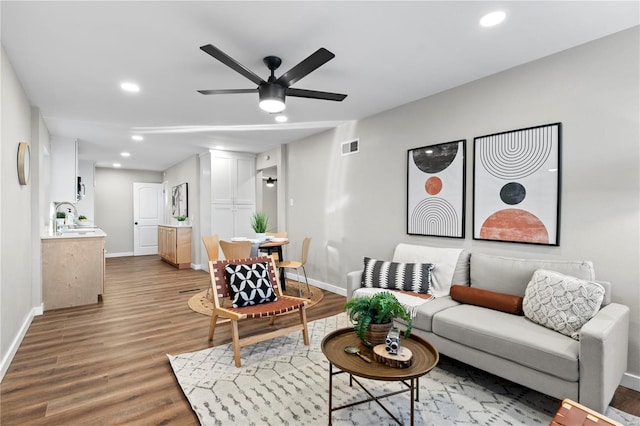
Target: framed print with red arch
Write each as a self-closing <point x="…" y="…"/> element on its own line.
<point x="436" y="190"/>
<point x="516" y="185"/>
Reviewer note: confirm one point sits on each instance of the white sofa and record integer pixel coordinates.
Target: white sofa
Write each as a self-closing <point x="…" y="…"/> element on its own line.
<point x="587" y="370"/>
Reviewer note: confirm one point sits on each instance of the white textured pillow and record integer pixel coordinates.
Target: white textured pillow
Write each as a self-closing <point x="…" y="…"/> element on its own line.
<point x="561" y="302"/>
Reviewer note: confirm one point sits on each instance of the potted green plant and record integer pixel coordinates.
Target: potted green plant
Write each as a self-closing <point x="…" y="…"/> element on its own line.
<point x="372" y="316"/>
<point x="259" y="222"/>
<point x="181" y="219"/>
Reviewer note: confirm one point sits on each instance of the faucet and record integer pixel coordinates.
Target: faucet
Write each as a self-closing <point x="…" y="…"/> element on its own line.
<point x="62" y="203"/>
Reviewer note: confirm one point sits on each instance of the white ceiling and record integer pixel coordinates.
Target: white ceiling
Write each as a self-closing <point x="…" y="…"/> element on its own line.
<point x="72" y="56"/>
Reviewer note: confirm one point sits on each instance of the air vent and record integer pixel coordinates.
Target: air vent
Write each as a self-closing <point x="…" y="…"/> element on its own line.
<point x="351" y="147"/>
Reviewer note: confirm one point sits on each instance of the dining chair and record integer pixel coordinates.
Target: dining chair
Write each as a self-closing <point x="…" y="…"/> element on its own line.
<point x="296" y="264"/>
<point x="236" y="249"/>
<point x="238" y="296"/>
<point x="212" y="246"/>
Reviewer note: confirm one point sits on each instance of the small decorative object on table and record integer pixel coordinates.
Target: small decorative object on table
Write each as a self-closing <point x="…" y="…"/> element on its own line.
<point x="374" y="311"/>
<point x="259" y="222"/>
<point x="392" y="353"/>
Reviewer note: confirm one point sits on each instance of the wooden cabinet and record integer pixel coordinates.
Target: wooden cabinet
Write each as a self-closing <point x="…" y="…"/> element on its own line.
<point x="72" y="271"/>
<point x="174" y="245"/>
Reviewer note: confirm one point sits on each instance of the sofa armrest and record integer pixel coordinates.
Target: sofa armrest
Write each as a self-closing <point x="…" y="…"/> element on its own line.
<point x="604" y="342"/>
<point x="354" y="279"/>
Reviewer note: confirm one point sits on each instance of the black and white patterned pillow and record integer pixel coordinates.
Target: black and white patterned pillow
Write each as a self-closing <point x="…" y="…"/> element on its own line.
<point x="414" y="277"/>
<point x="249" y="284"/>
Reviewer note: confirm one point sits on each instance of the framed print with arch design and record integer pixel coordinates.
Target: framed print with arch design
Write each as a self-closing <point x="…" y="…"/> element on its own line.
<point x="516" y="185"/>
<point x="436" y="190"/>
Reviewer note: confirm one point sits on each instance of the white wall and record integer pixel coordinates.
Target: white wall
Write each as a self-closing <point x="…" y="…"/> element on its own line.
<point x="114" y="205"/>
<point x="16" y="236"/>
<point x="355" y="205"/>
<point x="187" y="171"/>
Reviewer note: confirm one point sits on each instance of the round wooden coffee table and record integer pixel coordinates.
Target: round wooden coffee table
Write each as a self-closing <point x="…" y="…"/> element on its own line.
<point x="425" y="357"/>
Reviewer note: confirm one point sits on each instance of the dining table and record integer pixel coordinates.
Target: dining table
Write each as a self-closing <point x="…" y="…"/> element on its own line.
<point x="270" y="246"/>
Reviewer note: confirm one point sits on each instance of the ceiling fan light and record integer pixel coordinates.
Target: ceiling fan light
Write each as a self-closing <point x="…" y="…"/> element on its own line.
<point x="272" y="98"/>
<point x="272" y="105"/>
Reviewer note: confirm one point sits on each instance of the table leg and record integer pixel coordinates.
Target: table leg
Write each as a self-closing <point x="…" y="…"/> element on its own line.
<point x="412" y="401"/>
<point x="283" y="281"/>
<point x="330" y="391"/>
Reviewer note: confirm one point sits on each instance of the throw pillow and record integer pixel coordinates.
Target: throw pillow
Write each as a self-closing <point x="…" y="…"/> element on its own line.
<point x="487" y="299"/>
<point x="249" y="284"/>
<point x="561" y="302"/>
<point x="415" y="277"/>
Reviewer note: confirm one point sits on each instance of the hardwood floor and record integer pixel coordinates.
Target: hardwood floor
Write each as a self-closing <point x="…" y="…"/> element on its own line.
<point x="107" y="364"/>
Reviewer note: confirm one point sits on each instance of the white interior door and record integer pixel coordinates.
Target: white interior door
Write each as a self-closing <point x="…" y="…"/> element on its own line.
<point x="148" y="213"/>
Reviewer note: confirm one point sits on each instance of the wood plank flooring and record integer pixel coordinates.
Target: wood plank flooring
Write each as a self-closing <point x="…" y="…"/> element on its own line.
<point x="106" y="363"/>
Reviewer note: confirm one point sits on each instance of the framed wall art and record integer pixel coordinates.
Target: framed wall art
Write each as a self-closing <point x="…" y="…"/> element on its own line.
<point x="179" y="200"/>
<point x="435" y="190"/>
<point x="516" y="185"/>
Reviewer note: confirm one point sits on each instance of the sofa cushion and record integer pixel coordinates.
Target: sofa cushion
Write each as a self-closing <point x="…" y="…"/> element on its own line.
<point x="488" y="299"/>
<point x="511" y="275"/>
<point x="516" y="339"/>
<point x="451" y="264"/>
<point x="415" y="277"/>
<point x="561" y="302"/>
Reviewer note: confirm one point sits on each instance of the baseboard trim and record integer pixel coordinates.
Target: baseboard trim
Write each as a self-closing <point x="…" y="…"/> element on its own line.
<point x="325" y="286"/>
<point x="631" y="381"/>
<point x="13" y="348"/>
<point x="124" y="254"/>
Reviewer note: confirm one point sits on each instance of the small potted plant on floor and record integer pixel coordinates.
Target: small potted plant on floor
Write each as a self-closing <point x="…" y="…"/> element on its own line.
<point x="259" y="222"/>
<point x="372" y="316"/>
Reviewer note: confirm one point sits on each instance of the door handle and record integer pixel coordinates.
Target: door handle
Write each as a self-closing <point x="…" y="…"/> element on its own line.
<point x="135" y="223"/>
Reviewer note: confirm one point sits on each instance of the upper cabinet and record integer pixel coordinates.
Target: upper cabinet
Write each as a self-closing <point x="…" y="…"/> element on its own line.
<point x="64" y="170"/>
<point x="233" y="178"/>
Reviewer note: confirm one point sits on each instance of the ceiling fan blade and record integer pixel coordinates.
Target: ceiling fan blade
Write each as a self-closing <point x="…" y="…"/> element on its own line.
<point x="231" y="63"/>
<point x="313" y="94"/>
<point x="227" y="91"/>
<point x="314" y="61"/>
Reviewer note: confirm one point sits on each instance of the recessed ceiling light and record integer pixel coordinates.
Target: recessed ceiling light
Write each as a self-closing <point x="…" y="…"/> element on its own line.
<point x="130" y="87"/>
<point x="281" y="118"/>
<point x="125" y="154"/>
<point x="493" y="18"/>
<point x="137" y="138"/>
<point x="116" y="165"/>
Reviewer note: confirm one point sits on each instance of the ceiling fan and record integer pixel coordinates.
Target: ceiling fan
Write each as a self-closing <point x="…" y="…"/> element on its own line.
<point x="273" y="91"/>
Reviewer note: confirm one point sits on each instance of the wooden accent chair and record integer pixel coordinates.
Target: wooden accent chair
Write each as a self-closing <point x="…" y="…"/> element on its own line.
<point x="223" y="307"/>
<point x="296" y="264"/>
<point x="236" y="249"/>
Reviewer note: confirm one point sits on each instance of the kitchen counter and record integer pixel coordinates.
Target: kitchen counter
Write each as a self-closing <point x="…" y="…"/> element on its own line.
<point x="73" y="268"/>
<point x="75" y="233"/>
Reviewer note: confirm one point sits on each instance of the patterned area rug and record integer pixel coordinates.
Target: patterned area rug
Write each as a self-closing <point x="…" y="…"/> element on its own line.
<point x="284" y="382"/>
<point x="201" y="304"/>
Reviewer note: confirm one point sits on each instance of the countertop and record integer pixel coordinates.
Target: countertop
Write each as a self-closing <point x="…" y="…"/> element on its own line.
<point x="79" y="233"/>
<point x="175" y="226"/>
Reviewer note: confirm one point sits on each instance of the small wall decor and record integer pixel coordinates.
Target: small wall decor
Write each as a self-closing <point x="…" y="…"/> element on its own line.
<point x="516" y="185"/>
<point x="436" y="190"/>
<point x="179" y="200"/>
<point x="24" y="159"/>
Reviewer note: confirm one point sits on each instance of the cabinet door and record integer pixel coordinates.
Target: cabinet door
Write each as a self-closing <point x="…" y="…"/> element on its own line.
<point x="222" y="179"/>
<point x="245" y="177"/>
<point x="242" y="220"/>
<point x="171" y="245"/>
<point x="222" y="221"/>
<point x="64" y="170"/>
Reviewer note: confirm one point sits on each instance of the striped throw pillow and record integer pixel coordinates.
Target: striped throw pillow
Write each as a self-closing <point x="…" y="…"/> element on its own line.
<point x="415" y="277"/>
